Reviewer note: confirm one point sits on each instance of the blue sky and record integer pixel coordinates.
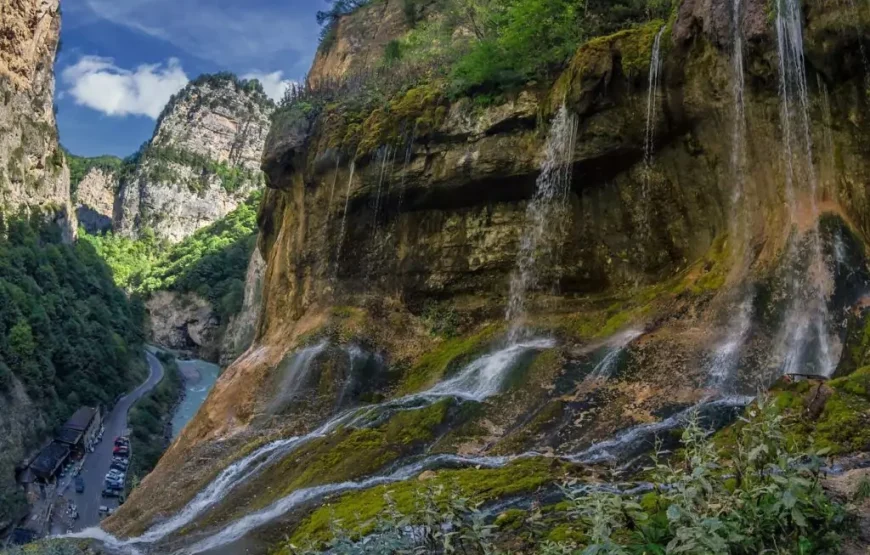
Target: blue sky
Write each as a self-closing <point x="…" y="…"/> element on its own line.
<point x="122" y="59"/>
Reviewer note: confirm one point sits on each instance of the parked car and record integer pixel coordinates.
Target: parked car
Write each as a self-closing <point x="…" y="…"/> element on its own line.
<point x="121" y="451"/>
<point x="103" y="509"/>
<point x="111" y="493"/>
<point x="116" y="486"/>
<point x="80" y="485"/>
<point x="114" y="473"/>
<point x="119" y="467"/>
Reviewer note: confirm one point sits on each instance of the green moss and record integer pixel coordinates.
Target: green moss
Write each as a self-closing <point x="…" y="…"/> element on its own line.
<point x="422" y="109"/>
<point x="358" y="510"/>
<point x="633" y="47"/>
<point x="511" y="519"/>
<point x="435" y="364"/>
<point x="566" y="534"/>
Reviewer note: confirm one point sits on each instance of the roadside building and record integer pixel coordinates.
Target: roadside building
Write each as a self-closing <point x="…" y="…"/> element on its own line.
<point x="81" y="430"/>
<point x="50" y="460"/>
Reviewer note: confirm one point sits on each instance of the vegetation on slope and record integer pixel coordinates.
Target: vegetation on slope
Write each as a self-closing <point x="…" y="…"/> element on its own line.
<point x="502" y="44"/>
<point x="212" y="262"/>
<point x="148" y="419"/>
<point x="67" y="333"/>
<point x="79" y="167"/>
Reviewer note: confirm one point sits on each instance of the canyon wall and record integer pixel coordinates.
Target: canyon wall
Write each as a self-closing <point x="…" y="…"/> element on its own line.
<point x="394" y="229"/>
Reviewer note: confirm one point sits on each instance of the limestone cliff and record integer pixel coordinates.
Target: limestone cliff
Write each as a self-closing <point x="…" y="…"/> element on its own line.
<point x="95" y="200"/>
<point x="201" y="163"/>
<point x="395" y="228"/>
<point x="33" y="173"/>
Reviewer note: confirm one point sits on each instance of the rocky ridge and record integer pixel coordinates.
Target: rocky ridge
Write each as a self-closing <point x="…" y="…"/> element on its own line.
<point x="202" y="161"/>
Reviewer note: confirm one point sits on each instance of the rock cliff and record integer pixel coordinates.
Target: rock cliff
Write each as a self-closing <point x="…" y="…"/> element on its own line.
<point x="201" y="163"/>
<point x="652" y="235"/>
<point x="33" y="172"/>
<point x="95" y="200"/>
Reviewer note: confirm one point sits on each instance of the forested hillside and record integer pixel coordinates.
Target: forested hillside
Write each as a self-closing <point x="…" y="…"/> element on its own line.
<point x="69" y="338"/>
<point x="211" y="262"/>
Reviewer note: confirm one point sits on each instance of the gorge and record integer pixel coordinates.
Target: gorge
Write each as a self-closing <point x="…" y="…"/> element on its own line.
<point x="613" y="300"/>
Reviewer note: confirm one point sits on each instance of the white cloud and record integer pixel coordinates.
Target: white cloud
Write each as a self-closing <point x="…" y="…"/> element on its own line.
<point x="273" y="83"/>
<point x="99" y="84"/>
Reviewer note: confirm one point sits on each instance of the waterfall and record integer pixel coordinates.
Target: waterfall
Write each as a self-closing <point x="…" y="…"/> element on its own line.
<point x="485" y="376"/>
<point x="546" y="214"/>
<point x="344" y="219"/>
<point x="382" y="176"/>
<point x="328" y="218"/>
<point x="655" y="66"/>
<point x="294" y="375"/>
<point x="409" y="151"/>
<point x="616" y="346"/>
<point x="723" y="363"/>
<point x="805" y="328"/>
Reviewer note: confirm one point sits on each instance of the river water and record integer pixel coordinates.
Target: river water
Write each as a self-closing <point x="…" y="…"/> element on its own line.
<point x="199" y="378"/>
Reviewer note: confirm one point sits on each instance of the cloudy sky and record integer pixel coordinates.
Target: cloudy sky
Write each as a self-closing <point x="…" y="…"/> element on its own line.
<point x="121" y="60"/>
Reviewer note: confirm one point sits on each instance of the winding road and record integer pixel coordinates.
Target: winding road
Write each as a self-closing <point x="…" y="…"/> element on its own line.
<point x="97" y="463"/>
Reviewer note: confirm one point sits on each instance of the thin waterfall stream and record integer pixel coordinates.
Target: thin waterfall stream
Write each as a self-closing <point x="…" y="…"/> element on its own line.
<point x="344" y="219"/>
<point x="545" y="217"/>
<point x="655" y="67"/>
<point x="722" y="366"/>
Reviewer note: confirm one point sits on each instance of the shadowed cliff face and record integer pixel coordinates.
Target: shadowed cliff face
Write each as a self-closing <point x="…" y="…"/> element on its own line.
<point x="684" y="263"/>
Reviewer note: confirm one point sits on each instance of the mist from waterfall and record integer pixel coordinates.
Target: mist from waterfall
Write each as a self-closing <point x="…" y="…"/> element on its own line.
<point x="546" y="217"/>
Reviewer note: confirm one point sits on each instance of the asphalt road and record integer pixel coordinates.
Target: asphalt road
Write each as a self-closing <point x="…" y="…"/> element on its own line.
<point x="97" y="463"/>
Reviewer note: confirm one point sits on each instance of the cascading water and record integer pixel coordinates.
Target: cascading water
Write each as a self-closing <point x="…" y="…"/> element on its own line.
<point x="616" y="347"/>
<point x="805" y="346"/>
<point x="241" y="527"/>
<point x="485" y="376"/>
<point x="294" y="376"/>
<point x="655" y="67"/>
<point x="482" y="378"/>
<point x="641" y="438"/>
<point x="545" y="218"/>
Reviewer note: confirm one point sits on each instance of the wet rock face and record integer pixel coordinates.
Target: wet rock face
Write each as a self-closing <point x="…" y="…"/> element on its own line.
<point x="33" y="172"/>
<point x="95" y="199"/>
<point x="203" y="161"/>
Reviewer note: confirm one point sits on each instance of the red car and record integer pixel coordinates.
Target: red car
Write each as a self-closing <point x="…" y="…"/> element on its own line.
<point x="121" y="450"/>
